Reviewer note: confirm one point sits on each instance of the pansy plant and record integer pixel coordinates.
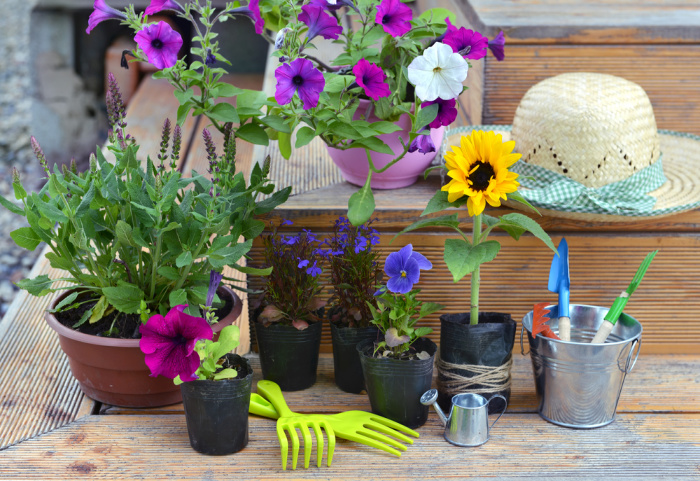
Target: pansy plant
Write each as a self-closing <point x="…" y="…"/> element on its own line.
<point x="398" y="310"/>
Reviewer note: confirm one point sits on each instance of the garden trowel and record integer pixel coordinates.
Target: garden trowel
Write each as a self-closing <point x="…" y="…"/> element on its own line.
<point x="559" y="283"/>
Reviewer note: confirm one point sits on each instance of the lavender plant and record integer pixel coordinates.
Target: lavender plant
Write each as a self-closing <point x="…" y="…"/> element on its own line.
<point x="291" y="294"/>
<point x="137" y="240"/>
<point x="355" y="272"/>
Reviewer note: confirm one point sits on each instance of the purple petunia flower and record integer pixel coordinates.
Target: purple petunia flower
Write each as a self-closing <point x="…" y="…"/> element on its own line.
<point x="371" y="78"/>
<point x="333" y="5"/>
<point x="319" y="23"/>
<point x="447" y="112"/>
<point x="313" y="271"/>
<point x="403" y="268"/>
<point x="168" y="343"/>
<point x="394" y="17"/>
<point x="468" y="43"/>
<point x="252" y="11"/>
<point x="497" y="46"/>
<point x="214" y="281"/>
<point x="423" y="143"/>
<point x="159" y="5"/>
<point x="302" y="77"/>
<point x="160" y="43"/>
<point x="103" y="12"/>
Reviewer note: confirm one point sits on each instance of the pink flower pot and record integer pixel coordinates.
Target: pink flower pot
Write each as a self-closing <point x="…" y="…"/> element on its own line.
<point x="353" y="162"/>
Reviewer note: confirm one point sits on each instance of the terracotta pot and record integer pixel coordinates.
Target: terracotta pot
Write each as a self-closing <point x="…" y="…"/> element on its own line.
<point x="353" y="162"/>
<point x="113" y="371"/>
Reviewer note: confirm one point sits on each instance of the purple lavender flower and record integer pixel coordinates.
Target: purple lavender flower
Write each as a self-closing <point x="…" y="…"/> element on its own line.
<point x="394" y="17"/>
<point x="302" y="77"/>
<point x="447" y="112"/>
<point x="423" y="143"/>
<point x="319" y="23"/>
<point x="214" y="281"/>
<point x="371" y="78"/>
<point x="168" y="343"/>
<point x="467" y="43"/>
<point x="158" y="5"/>
<point x="251" y="11"/>
<point x="103" y="12"/>
<point x="497" y="46"/>
<point x="403" y="268"/>
<point x="160" y="43"/>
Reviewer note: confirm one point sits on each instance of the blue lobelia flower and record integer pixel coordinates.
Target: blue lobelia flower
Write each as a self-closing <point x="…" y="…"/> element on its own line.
<point x="403" y="268"/>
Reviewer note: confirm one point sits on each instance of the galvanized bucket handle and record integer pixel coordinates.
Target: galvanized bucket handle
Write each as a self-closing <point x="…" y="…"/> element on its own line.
<point x="638" y="344"/>
<point x="522" y="348"/>
<point x="505" y="402"/>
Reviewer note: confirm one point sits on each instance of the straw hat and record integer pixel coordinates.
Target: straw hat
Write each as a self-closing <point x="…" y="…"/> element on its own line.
<point x="590" y="143"/>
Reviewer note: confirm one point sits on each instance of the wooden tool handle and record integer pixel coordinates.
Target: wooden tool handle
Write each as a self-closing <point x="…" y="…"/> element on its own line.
<point x="603" y="332"/>
<point x="565" y="328"/>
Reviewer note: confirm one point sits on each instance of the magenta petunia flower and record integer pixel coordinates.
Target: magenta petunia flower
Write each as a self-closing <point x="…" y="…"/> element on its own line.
<point x="447" y="112"/>
<point x="394" y="17"/>
<point x="252" y="11"/>
<point x="302" y="77"/>
<point x="467" y="43"/>
<point x="159" y="5"/>
<point x="423" y="143"/>
<point x="160" y="43"/>
<point x="103" y="12"/>
<point x="319" y="23"/>
<point x="371" y="78"/>
<point x="497" y="46"/>
<point x="168" y="343"/>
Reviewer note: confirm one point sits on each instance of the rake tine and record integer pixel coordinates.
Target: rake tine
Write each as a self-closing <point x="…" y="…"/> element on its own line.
<point x="394" y="425"/>
<point x="304" y="428"/>
<point x="295" y="445"/>
<point x="363" y="438"/>
<point x="331" y="440"/>
<point x="382" y="438"/>
<point x="387" y="430"/>
<point x="284" y="446"/>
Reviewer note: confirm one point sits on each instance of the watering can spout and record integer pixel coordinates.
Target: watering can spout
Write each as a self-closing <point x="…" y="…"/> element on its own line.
<point x="430" y="397"/>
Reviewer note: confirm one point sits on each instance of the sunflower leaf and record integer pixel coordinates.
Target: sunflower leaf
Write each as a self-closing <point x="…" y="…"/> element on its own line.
<point x="519" y="198"/>
<point x="449" y="220"/>
<point x="462" y="258"/>
<point x="524" y="222"/>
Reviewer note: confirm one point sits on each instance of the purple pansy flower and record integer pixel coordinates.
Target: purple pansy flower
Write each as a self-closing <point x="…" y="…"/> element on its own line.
<point x="319" y="23"/>
<point x="168" y="343"/>
<point x="160" y="43"/>
<point x="214" y="281"/>
<point x="159" y="5"/>
<point x="497" y="46"/>
<point x="371" y="78"/>
<point x="447" y="112"/>
<point x="423" y="143"/>
<point x="467" y="43"/>
<point x="403" y="268"/>
<point x="302" y="77"/>
<point x="394" y="17"/>
<point x="252" y="11"/>
<point x="103" y="12"/>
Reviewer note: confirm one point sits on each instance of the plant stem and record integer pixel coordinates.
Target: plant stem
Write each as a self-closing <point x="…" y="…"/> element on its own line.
<point x="476" y="238"/>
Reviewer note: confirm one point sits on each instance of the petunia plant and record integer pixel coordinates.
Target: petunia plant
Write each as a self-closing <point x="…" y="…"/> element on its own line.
<point x="403" y="64"/>
<point x="479" y="175"/>
<point x="398" y="310"/>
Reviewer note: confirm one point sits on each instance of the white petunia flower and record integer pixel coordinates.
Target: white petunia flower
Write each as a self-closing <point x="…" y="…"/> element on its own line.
<point x="438" y="73"/>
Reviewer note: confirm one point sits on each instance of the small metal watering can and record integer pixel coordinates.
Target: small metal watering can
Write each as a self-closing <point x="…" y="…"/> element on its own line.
<point x="468" y="422"/>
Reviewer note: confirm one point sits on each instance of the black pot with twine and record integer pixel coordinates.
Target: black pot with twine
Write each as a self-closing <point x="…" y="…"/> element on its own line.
<point x="475" y="358"/>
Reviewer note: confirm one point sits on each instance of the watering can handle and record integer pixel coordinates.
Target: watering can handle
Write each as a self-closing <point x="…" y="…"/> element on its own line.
<point x="504" y="408"/>
<point x="638" y="344"/>
<point x="522" y="348"/>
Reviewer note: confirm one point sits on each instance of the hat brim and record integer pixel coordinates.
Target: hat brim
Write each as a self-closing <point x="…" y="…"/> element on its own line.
<point x="680" y="193"/>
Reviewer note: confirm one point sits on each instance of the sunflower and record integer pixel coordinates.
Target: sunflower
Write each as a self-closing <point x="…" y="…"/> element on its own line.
<point x="479" y="169"/>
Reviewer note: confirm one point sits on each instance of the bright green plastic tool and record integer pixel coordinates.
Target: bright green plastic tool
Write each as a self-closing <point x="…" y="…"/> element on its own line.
<point x="621" y="301"/>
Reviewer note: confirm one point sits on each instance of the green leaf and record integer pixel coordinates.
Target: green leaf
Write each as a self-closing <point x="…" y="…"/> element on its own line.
<point x="252" y="228"/>
<point x="26" y="238"/>
<point x="10" y="206"/>
<point x="227" y="373"/>
<point x="421" y="331"/>
<point x="278" y="198"/>
<point x="169" y="272"/>
<point x="177" y="297"/>
<point x="426" y="115"/>
<point x="384" y="127"/>
<point x="125" y="297"/>
<point x="438" y="15"/>
<point x="449" y="220"/>
<point x="39" y="286"/>
<point x="83" y="319"/>
<point x="182" y="112"/>
<point x="304" y="136"/>
<point x="183" y="97"/>
<point x="253" y="133"/>
<point x="276" y="123"/>
<point x="253" y="270"/>
<point x="79" y="239"/>
<point x="229" y="255"/>
<point x="227" y="90"/>
<point x="68" y="300"/>
<point x="428" y="308"/>
<point x="99" y="310"/>
<point x="228" y="341"/>
<point x="524" y="222"/>
<point x="59" y="262"/>
<point x="374" y="144"/>
<point x="519" y="198"/>
<point x="57" y="186"/>
<point x="284" y="142"/>
<point x="437" y="203"/>
<point x="183" y="259"/>
<point x="49" y="211"/>
<point x="20" y="193"/>
<point x="224" y="112"/>
<point x="361" y="204"/>
<point x="462" y="258"/>
<point x="85" y="202"/>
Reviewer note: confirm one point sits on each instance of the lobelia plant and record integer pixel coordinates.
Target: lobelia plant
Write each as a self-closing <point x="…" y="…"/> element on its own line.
<point x="354" y="273"/>
<point x="291" y="293"/>
<point x="404" y="65"/>
<point x="478" y="171"/>
<point x="398" y="309"/>
<point x="135" y="240"/>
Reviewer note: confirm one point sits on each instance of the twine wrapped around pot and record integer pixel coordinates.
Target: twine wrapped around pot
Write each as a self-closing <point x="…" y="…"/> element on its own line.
<point x="490" y="379"/>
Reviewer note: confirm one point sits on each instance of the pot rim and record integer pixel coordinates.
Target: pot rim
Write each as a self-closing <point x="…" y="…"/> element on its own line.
<point x="64" y="331"/>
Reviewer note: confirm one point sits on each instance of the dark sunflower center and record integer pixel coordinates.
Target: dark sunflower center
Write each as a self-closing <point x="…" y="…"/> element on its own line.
<point x="297" y="80"/>
<point x="481" y="176"/>
<point x="156" y="43"/>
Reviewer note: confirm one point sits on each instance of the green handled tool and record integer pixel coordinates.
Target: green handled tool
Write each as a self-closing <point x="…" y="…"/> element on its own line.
<point x="620" y="302"/>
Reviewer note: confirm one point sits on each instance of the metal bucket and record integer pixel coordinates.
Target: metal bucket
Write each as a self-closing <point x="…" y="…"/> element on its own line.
<point x="579" y="384"/>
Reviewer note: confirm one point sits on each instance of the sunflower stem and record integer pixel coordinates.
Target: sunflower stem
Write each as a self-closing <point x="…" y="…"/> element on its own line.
<point x="476" y="239"/>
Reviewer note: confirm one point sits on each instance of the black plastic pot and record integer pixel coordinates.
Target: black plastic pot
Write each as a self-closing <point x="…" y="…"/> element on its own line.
<point x="489" y="343"/>
<point x="289" y="356"/>
<point x="217" y="411"/>
<point x="395" y="386"/>
<point x="346" y="360"/>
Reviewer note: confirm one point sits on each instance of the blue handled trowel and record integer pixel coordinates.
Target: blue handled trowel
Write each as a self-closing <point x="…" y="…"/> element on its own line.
<point x="559" y="283"/>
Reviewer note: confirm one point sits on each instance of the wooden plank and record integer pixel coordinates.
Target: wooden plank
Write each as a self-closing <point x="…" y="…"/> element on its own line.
<point x="635" y="446"/>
